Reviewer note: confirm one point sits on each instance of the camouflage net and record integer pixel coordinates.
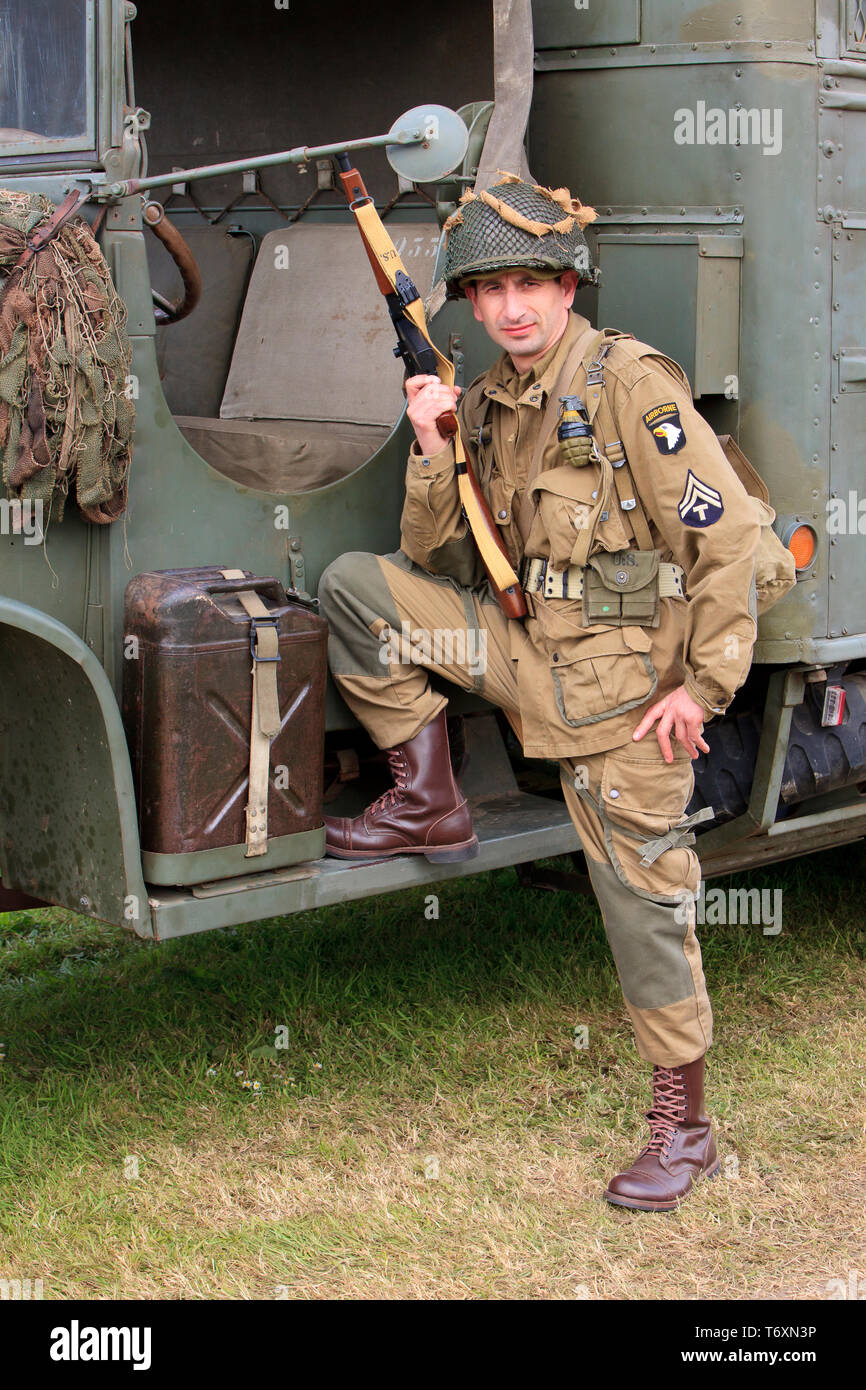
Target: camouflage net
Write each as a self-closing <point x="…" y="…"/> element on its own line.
<point x="575" y="211"/>
<point x="66" y="417"/>
<point x="517" y="224"/>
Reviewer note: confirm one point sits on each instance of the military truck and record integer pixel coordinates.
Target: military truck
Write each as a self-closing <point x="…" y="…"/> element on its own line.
<point x="724" y="148"/>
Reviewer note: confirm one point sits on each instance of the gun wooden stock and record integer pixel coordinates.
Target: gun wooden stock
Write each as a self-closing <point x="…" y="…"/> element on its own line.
<point x="355" y="191"/>
<point x="510" y="600"/>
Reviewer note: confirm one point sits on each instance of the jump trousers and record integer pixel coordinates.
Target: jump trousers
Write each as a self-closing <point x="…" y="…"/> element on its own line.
<point x="390" y="624"/>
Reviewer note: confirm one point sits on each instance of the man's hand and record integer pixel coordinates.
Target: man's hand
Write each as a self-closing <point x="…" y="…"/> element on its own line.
<point x="677" y="711"/>
<point x="428" y="399"/>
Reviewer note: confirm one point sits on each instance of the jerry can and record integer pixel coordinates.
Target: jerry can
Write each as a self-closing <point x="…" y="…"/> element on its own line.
<point x="190" y="645"/>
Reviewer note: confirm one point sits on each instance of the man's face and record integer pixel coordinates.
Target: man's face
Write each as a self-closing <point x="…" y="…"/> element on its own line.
<point x="522" y="313"/>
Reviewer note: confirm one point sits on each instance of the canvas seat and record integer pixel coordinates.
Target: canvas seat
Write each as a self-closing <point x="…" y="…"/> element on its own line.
<point x="313" y="389"/>
<point x="194" y="355"/>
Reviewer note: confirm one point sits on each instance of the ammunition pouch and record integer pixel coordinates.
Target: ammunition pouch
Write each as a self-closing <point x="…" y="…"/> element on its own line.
<point x="621" y="587"/>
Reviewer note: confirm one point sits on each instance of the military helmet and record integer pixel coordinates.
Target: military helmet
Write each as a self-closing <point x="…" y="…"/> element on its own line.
<point x="515" y="224"/>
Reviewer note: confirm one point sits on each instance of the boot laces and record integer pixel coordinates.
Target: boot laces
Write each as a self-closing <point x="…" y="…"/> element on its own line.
<point x="400" y="773"/>
<point x="669" y="1109"/>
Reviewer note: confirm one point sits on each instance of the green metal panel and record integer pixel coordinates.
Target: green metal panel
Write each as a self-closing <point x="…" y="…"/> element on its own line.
<point x="680" y="290"/>
<point x="584" y="23"/>
<point x="68" y="829"/>
<point x="668" y="22"/>
<point x="847" y="520"/>
<point x="621" y="113"/>
<point x="649" y="285"/>
<point x="230" y="861"/>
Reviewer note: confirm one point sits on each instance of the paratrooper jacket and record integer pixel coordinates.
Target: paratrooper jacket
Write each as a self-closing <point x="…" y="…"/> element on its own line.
<point x="584" y="688"/>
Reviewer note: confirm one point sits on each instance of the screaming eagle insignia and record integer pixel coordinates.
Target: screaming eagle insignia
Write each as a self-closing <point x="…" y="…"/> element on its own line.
<point x="665" y="426"/>
<point x="700" y="504"/>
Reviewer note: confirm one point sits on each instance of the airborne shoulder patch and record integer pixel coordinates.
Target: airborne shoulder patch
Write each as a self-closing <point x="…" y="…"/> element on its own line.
<point x="700" y="504"/>
<point x="665" y="426"/>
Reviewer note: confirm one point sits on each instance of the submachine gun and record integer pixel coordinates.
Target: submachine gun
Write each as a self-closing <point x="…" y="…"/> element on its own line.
<point x="443" y="145"/>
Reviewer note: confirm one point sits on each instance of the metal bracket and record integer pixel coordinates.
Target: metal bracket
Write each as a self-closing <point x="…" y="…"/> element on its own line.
<point x="325" y="175"/>
<point x="455" y="352"/>
<point x="296" y="566"/>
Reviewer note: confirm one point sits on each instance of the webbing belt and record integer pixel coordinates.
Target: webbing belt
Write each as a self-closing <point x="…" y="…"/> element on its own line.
<point x="388" y="258"/>
<point x="538" y="578"/>
<point x="264" y="713"/>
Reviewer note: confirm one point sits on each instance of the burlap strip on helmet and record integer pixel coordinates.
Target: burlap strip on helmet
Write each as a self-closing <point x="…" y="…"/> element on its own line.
<point x="526" y="224"/>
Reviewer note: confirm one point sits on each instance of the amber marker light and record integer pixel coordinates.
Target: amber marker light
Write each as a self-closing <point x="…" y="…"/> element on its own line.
<point x="802" y="541"/>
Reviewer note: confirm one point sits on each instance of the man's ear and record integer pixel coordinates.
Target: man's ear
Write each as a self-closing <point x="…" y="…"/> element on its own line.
<point x="472" y="296"/>
<point x="568" y="281"/>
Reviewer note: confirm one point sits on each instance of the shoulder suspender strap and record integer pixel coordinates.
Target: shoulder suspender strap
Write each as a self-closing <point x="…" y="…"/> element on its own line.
<point x="573" y="359"/>
<point x="629" y="501"/>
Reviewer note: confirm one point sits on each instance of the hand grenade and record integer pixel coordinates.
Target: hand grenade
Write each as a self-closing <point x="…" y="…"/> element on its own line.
<point x="576" y="443"/>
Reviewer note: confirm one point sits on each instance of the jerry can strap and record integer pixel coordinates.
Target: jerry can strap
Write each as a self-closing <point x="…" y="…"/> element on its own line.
<point x="265" y="712"/>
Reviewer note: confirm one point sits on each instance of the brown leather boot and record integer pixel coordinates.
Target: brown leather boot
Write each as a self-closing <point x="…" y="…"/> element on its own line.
<point x="681" y="1149"/>
<point x="423" y="813"/>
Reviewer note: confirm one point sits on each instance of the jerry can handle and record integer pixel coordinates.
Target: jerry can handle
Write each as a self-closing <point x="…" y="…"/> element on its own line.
<point x="272" y="588"/>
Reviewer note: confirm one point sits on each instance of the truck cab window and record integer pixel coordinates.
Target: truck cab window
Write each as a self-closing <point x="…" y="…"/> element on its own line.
<point x="43" y="72"/>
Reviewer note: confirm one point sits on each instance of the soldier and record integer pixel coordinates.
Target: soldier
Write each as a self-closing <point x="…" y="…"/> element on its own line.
<point x="635" y="547"/>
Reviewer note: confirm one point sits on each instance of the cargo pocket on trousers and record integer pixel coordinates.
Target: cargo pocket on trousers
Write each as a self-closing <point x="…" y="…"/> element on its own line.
<point x="602" y="676"/>
<point x="644" y="798"/>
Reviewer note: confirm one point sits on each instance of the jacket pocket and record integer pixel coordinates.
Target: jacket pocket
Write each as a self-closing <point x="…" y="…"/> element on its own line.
<point x="603" y="675"/>
<point x="565" y="502"/>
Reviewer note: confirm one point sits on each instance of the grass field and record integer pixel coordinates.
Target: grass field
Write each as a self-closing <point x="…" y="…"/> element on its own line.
<point x="429" y="1129"/>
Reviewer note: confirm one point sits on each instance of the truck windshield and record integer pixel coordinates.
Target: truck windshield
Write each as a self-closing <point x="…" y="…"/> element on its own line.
<point x="45" y="50"/>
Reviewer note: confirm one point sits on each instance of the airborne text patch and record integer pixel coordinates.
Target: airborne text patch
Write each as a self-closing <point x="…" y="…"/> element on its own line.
<point x="663" y="423"/>
<point x="700" y="504"/>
